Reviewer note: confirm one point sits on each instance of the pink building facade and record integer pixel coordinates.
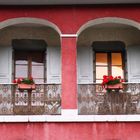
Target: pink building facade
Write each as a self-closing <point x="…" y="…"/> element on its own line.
<point x="73" y="113"/>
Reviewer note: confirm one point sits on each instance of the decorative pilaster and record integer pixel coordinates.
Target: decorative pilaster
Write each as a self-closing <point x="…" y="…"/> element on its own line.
<point x="69" y="72"/>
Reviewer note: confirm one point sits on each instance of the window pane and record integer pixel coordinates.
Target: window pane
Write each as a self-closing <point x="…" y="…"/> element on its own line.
<point x="116" y="59"/>
<point x="117" y="71"/>
<point x="21" y="55"/>
<point x="36" y="63"/>
<point x="38" y="71"/>
<point x="23" y="62"/>
<point x="38" y="81"/>
<point x="100" y="71"/>
<point x="99" y="81"/>
<point x="37" y="58"/>
<point x="101" y="58"/>
<point x="21" y="71"/>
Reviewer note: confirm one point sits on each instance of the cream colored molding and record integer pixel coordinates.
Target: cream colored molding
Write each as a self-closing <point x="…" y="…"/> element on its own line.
<point x="105" y="20"/>
<point x="70" y="115"/>
<point x="28" y="20"/>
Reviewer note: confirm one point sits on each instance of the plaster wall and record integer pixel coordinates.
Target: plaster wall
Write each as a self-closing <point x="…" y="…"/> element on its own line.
<point x="127" y="35"/>
<point x="50" y="36"/>
<point x="70" y="131"/>
<point x="69" y="20"/>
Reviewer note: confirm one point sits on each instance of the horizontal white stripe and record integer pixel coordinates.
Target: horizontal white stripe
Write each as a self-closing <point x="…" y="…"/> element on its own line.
<point x="69" y="35"/>
<point x="70" y="115"/>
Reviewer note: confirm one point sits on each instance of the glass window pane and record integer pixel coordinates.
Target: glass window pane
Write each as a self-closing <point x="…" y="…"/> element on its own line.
<point x="117" y="71"/>
<point x="21" y="71"/>
<point x="116" y="59"/>
<point x="100" y="71"/>
<point x="23" y="62"/>
<point x="38" y="81"/>
<point x="37" y="58"/>
<point x="101" y="58"/>
<point x="99" y="81"/>
<point x="36" y="63"/>
<point x="21" y="57"/>
<point x="38" y="71"/>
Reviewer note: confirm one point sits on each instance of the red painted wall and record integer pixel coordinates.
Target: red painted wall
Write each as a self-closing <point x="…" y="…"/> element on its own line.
<point x="70" y="131"/>
<point x="69" y="19"/>
<point x="69" y="83"/>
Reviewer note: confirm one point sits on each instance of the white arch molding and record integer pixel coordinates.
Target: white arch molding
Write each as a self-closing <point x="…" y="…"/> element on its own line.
<point x="115" y="20"/>
<point x="28" y="20"/>
<point x="86" y="76"/>
<point x="54" y="75"/>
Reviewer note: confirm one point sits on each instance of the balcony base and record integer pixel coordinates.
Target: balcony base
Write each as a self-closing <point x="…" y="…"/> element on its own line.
<point x="70" y="115"/>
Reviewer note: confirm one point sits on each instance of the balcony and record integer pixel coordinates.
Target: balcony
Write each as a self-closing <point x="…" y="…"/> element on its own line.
<point x="93" y="99"/>
<point x="45" y="99"/>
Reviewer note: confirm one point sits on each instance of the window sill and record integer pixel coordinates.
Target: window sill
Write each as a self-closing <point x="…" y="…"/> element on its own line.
<point x="70" y="115"/>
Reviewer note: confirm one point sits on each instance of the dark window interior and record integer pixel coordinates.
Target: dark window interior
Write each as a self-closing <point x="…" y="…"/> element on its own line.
<point x="29" y="60"/>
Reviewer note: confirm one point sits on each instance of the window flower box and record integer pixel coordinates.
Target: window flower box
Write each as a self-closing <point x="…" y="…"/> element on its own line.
<point x="26" y="86"/>
<point x="25" y="83"/>
<point x="115" y="86"/>
<point x="112" y="83"/>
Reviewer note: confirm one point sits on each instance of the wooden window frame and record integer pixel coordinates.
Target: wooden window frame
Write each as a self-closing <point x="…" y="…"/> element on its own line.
<point x="29" y="63"/>
<point x="123" y="55"/>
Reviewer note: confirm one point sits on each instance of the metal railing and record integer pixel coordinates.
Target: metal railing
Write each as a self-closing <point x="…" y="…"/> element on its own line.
<point x="94" y="99"/>
<point x="45" y="99"/>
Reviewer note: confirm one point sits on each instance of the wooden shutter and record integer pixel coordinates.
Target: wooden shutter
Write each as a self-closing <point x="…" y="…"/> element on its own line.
<point x="85" y="65"/>
<point x="53" y="64"/>
<point x="5" y="64"/>
<point x="133" y="56"/>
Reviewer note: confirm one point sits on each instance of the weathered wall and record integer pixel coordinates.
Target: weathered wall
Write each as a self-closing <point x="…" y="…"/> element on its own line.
<point x="70" y="131"/>
<point x="49" y="35"/>
<point x="128" y="35"/>
<point x="69" y="20"/>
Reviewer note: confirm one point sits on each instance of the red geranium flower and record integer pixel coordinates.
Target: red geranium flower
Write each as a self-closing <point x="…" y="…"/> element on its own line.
<point x="110" y="80"/>
<point x="24" y="80"/>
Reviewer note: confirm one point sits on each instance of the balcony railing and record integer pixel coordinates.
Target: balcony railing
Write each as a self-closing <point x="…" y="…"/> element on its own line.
<point x="45" y="99"/>
<point x="93" y="99"/>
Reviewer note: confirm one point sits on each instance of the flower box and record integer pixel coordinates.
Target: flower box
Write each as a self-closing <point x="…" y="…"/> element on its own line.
<point x="112" y="83"/>
<point x="115" y="86"/>
<point x="26" y="86"/>
<point x="25" y="83"/>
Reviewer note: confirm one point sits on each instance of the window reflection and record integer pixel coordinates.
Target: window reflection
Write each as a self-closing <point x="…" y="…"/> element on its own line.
<point x="117" y="71"/>
<point x="30" y="63"/>
<point x="108" y="64"/>
<point x="100" y="71"/>
<point x="116" y="59"/>
<point x="38" y="81"/>
<point x="21" y="62"/>
<point x="21" y="71"/>
<point x="38" y="71"/>
<point x="101" y="59"/>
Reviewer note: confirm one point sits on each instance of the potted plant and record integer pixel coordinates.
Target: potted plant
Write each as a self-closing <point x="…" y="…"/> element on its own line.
<point x="110" y="82"/>
<point x="25" y="83"/>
